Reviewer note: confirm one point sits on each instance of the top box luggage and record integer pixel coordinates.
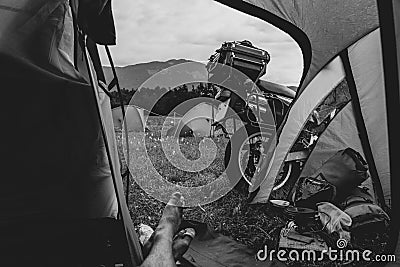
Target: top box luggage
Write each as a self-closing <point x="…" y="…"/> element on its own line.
<point x="243" y="56"/>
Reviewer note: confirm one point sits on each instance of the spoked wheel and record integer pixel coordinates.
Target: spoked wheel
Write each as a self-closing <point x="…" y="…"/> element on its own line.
<point x="243" y="154"/>
<point x="286" y="180"/>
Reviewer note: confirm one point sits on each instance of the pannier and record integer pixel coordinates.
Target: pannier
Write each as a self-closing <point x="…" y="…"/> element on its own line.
<point x="243" y="56"/>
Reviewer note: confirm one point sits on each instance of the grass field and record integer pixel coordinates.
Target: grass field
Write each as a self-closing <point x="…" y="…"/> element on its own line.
<point x="231" y="215"/>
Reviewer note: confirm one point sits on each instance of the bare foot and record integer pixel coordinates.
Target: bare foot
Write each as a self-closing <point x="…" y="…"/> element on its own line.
<point x="159" y="246"/>
<point x="172" y="214"/>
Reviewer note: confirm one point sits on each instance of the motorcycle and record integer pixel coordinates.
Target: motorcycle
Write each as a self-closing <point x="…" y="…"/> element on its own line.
<point x="258" y="105"/>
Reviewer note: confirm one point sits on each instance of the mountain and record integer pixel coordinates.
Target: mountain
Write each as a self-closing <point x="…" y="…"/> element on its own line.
<point x="133" y="76"/>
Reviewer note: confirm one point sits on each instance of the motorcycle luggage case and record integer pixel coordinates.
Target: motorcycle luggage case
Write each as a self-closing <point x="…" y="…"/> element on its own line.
<point x="248" y="59"/>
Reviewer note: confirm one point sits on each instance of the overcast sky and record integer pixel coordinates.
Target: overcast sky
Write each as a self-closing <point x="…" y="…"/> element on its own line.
<point x="159" y="30"/>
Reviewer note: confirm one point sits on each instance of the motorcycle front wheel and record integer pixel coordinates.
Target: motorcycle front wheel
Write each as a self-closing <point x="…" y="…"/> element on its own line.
<point x="243" y="154"/>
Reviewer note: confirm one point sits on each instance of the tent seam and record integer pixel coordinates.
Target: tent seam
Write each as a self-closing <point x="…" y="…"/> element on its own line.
<point x="363" y="133"/>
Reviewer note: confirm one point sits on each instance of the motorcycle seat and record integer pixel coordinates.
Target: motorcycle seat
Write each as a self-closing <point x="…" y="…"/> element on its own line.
<point x="275" y="88"/>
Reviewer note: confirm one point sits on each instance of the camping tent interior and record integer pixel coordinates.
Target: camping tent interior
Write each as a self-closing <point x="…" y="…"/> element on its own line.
<point x="63" y="198"/>
<point x="64" y="185"/>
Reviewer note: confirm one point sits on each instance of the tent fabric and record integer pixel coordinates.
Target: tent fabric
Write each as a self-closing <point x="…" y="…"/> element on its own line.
<point x="130" y="234"/>
<point x="366" y="54"/>
<point x="339" y="22"/>
<point x="366" y="63"/>
<point x="330" y="142"/>
<point x="317" y="90"/>
<point x="396" y="22"/>
<point x="96" y="19"/>
<point x="389" y="15"/>
<point x="135" y="119"/>
<point x="216" y="250"/>
<point x="132" y="240"/>
<point x="110" y="150"/>
<point x="57" y="163"/>
<point x="180" y="130"/>
<point x="19" y="23"/>
<point x="49" y="122"/>
<point x="323" y="29"/>
<point x="101" y="170"/>
<point x="199" y="119"/>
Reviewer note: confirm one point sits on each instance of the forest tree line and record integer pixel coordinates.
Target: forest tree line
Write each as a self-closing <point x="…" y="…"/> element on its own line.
<point x="165" y="100"/>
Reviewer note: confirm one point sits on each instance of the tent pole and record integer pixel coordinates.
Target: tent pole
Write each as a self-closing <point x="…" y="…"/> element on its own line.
<point x="212" y="121"/>
<point x="362" y="129"/>
<point x="133" y="248"/>
<point x="104" y="134"/>
<point x="387" y="9"/>
<point x="124" y="124"/>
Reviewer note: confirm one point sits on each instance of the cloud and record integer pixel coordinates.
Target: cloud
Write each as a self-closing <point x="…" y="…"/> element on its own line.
<point x="149" y="30"/>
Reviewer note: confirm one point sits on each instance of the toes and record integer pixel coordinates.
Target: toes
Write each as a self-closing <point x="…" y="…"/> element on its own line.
<point x="182" y="242"/>
<point x="176" y="200"/>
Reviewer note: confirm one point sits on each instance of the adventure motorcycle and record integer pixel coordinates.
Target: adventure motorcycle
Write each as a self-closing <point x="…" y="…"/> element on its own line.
<point x="260" y="106"/>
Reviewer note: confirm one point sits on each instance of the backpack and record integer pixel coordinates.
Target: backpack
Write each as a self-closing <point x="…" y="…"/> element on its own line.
<point x="365" y="214"/>
<point x="333" y="181"/>
<point x="345" y="170"/>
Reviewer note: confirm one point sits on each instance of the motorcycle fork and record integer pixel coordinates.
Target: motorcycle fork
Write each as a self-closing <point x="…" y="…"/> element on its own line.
<point x="244" y="112"/>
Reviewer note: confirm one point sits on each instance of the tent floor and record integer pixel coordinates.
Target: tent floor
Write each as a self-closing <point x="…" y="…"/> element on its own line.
<point x="63" y="243"/>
